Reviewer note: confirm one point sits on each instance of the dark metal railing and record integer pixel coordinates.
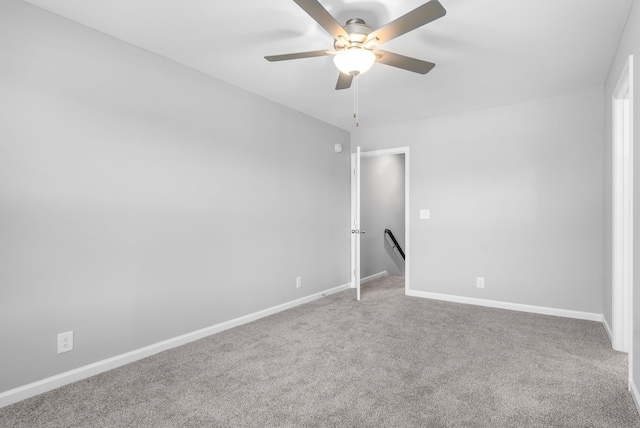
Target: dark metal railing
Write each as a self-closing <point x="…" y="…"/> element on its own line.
<point x="393" y="242"/>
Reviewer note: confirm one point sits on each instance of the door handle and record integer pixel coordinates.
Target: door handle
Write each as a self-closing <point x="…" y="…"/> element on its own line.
<point x="355" y="231"/>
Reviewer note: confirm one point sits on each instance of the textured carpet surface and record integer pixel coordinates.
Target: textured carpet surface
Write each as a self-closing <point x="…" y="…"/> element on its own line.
<point x="386" y="361"/>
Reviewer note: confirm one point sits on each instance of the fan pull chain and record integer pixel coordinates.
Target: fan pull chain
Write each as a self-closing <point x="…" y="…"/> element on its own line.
<point x="355" y="100"/>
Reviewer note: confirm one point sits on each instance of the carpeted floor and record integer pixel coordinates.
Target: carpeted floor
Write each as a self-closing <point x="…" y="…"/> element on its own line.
<point x="387" y="361"/>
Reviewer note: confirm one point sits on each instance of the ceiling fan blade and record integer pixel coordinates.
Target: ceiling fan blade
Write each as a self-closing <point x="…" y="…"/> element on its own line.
<point x="416" y="18"/>
<point x="344" y="81"/>
<point x="297" y="55"/>
<point x="322" y="17"/>
<point x="404" y="62"/>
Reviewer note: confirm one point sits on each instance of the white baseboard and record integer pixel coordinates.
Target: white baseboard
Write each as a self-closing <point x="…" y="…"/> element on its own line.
<point x="635" y="394"/>
<point x="53" y="382"/>
<point x="607" y="328"/>
<point x="506" y="305"/>
<point x="374" y="276"/>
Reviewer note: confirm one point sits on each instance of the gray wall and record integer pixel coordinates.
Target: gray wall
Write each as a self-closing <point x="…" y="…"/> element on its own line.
<point x="629" y="45"/>
<point x="515" y="195"/>
<point x="381" y="207"/>
<point x="141" y="200"/>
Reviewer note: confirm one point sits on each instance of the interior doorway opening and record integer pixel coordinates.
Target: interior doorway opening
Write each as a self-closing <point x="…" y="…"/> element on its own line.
<point x="380" y="216"/>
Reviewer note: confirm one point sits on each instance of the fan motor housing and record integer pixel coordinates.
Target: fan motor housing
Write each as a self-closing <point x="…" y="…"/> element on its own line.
<point x="358" y="32"/>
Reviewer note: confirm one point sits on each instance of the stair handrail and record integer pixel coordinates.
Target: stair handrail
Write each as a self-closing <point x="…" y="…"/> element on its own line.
<point x="395" y="242"/>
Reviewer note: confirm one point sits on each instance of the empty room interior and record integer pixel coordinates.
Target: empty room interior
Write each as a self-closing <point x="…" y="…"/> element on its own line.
<point x="319" y="213"/>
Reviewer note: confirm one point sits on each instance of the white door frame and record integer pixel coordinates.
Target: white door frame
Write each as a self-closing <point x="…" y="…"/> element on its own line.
<point x="356" y="280"/>
<point x="355" y="263"/>
<point x="622" y="216"/>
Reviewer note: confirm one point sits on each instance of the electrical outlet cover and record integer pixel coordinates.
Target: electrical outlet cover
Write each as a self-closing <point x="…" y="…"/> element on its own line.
<point x="65" y="342"/>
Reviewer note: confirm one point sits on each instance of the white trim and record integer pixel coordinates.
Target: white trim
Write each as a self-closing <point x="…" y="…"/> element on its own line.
<point x="635" y="394"/>
<point x="510" y="306"/>
<point x="407" y="205"/>
<point x="622" y="217"/>
<point x="622" y="211"/>
<point x="62" y="379"/>
<point x="374" y="276"/>
<point x="607" y="328"/>
<point x="407" y="220"/>
<point x="352" y="221"/>
<point x="630" y="296"/>
<point x="383" y="152"/>
<point x="357" y="222"/>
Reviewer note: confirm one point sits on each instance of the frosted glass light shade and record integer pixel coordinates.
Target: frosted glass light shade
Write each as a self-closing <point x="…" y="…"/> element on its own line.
<point x="354" y="60"/>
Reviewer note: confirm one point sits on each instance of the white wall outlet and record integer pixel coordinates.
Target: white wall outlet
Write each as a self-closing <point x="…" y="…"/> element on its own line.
<point x="299" y="282"/>
<point x="65" y="342"/>
<point x="425" y="214"/>
<point x="480" y="282"/>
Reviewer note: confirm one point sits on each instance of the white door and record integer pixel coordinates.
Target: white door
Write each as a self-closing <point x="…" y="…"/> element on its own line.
<point x="355" y="221"/>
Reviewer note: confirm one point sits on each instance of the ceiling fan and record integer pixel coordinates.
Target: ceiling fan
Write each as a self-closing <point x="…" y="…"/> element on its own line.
<point x="356" y="44"/>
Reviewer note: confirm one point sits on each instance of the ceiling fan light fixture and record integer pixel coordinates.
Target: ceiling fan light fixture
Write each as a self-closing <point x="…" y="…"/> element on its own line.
<point x="354" y="60"/>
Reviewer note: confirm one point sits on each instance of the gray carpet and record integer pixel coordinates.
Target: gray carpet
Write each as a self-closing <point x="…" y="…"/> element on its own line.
<point x="387" y="361"/>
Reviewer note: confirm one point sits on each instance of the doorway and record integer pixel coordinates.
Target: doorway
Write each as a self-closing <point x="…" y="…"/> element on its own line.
<point x="372" y="251"/>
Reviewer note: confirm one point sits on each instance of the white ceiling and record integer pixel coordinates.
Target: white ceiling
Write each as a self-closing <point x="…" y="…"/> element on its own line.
<point x="487" y="52"/>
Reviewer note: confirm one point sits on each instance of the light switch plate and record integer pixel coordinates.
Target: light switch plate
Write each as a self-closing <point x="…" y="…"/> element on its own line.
<point x="425" y="214"/>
